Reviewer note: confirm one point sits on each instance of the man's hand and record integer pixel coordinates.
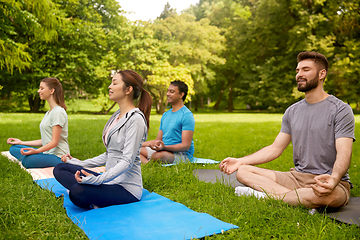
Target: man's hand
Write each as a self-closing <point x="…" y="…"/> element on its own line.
<point x="65" y="157"/>
<point x="158" y="146"/>
<point x="229" y="165"/>
<point x="324" y="186"/>
<point x="29" y="151"/>
<point x="78" y="177"/>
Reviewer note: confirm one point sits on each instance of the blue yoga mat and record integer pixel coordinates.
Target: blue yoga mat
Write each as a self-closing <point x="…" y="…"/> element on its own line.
<point x="154" y="217"/>
<point x="204" y="160"/>
<point x="197" y="160"/>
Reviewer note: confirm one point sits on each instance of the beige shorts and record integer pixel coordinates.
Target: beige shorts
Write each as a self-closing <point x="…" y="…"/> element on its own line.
<point x="295" y="180"/>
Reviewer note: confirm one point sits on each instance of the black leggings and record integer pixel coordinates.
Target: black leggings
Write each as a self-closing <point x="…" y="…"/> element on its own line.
<point x="85" y="195"/>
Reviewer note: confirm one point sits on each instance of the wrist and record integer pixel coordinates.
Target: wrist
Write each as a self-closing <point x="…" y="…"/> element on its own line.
<point x="239" y="162"/>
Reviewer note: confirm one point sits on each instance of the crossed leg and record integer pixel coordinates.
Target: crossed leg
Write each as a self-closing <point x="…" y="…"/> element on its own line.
<point x="162" y="156"/>
<point x="264" y="180"/>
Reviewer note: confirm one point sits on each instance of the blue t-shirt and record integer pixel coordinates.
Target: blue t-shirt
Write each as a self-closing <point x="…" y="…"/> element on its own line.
<point x="173" y="123"/>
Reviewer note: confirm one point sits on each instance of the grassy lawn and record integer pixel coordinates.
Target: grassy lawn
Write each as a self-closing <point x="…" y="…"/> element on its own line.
<point x="28" y="212"/>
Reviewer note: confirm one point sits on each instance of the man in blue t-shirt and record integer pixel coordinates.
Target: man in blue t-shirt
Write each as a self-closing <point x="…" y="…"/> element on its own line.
<point x="174" y="141"/>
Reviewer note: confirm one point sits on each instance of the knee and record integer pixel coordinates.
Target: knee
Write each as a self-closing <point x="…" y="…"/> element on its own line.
<point x="331" y="200"/>
<point x="242" y="172"/>
<point x="58" y="168"/>
<point x="13" y="148"/>
<point x="26" y="163"/>
<point x="143" y="151"/>
<point x="76" y="190"/>
<point x="15" y="151"/>
<point x="76" y="195"/>
<point x="157" y="155"/>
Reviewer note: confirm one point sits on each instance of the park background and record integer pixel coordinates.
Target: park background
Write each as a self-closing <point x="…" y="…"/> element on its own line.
<point x="238" y="58"/>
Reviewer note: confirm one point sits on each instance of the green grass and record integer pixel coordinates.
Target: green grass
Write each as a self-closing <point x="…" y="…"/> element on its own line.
<point x="27" y="211"/>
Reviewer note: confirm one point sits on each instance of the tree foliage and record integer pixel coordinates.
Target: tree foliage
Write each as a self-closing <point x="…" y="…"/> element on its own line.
<point x="76" y="58"/>
<point x="263" y="39"/>
<point x="23" y="23"/>
<point x="196" y="45"/>
<point x="229" y="51"/>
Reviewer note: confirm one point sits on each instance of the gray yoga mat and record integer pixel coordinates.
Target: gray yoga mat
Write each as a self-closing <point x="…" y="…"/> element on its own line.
<point x="349" y="214"/>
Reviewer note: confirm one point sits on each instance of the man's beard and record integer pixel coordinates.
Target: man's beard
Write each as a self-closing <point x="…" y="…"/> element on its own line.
<point x="309" y="84"/>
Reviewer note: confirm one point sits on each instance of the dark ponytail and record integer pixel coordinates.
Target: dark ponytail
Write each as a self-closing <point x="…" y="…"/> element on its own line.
<point x="144" y="104"/>
<point x="132" y="78"/>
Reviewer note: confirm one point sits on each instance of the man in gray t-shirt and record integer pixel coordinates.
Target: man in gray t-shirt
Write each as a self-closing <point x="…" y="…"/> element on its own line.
<point x="321" y="129"/>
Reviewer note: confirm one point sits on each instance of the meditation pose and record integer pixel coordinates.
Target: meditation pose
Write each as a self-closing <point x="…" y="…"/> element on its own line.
<point x="123" y="136"/>
<point x="53" y="128"/>
<point x="321" y="129"/>
<point x="174" y="141"/>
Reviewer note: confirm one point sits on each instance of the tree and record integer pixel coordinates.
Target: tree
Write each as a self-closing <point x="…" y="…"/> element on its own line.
<point x="77" y="57"/>
<point x="194" y="44"/>
<point x="22" y="23"/>
<point x="262" y="41"/>
<point x="160" y="80"/>
<point x="167" y="12"/>
<point x="143" y="53"/>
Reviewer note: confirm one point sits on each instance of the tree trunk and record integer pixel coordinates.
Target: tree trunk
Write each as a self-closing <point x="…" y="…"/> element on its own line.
<point x="162" y="103"/>
<point x="34" y="103"/>
<point x="230" y="99"/>
<point x="196" y="103"/>
<point x="107" y="111"/>
<point x="156" y="101"/>
<point x="216" y="106"/>
<point x="163" y="106"/>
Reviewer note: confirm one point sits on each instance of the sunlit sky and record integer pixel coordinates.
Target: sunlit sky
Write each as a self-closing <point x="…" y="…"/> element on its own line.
<point x="151" y="9"/>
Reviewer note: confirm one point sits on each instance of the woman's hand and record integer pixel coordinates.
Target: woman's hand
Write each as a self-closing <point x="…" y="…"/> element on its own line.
<point x="14" y="141"/>
<point x="78" y="177"/>
<point x="29" y="151"/>
<point x="65" y="157"/>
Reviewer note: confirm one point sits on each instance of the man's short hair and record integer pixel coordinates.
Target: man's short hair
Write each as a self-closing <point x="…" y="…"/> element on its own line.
<point x="183" y="88"/>
<point x="319" y="59"/>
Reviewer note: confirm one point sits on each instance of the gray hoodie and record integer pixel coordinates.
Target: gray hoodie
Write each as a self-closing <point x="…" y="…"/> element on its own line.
<point x="122" y="157"/>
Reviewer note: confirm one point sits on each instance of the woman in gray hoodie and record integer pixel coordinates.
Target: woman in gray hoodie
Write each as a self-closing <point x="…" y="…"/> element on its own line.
<point x="123" y="136"/>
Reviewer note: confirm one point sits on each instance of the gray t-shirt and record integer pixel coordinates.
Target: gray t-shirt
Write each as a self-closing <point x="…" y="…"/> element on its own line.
<point x="57" y="116"/>
<point x="314" y="129"/>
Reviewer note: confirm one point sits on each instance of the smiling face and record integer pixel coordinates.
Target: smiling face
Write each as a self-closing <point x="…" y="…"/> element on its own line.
<point x="44" y="91"/>
<point x="117" y="88"/>
<point x="307" y="75"/>
<point x="173" y="94"/>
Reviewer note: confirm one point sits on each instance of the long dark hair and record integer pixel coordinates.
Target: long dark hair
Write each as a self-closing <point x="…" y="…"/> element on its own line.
<point x="132" y="78"/>
<point x="54" y="83"/>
